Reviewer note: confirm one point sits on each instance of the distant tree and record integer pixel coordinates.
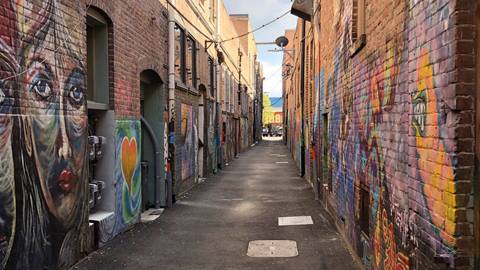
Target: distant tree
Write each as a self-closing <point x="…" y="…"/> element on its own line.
<point x="268" y="116"/>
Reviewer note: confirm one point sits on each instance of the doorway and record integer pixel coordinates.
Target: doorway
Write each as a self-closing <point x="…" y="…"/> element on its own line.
<point x="201" y="131"/>
<point x="151" y="108"/>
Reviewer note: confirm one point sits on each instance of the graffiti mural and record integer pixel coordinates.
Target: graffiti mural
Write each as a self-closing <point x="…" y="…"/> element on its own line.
<point x="212" y="140"/>
<point x="189" y="142"/>
<point x="7" y="184"/>
<point x="43" y="204"/>
<point x="128" y="186"/>
<point x="392" y="169"/>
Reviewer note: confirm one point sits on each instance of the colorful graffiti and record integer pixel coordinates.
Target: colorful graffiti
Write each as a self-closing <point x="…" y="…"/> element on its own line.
<point x="212" y="140"/>
<point x="43" y="205"/>
<point x="385" y="137"/>
<point x="189" y="142"/>
<point x="128" y="184"/>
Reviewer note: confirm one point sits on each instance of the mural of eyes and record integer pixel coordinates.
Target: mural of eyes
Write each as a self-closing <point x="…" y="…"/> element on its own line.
<point x="42" y="88"/>
<point x="76" y="94"/>
<point x="75" y="88"/>
<point x="2" y="95"/>
<point x="41" y="83"/>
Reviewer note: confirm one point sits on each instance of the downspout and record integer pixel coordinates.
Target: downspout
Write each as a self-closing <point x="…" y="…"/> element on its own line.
<point x="302" y="101"/>
<point x="218" y="86"/>
<point x="171" y="103"/>
<point x="239" y="142"/>
<point x="157" y="162"/>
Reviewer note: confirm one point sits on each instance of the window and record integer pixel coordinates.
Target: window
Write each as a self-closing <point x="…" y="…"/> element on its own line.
<point x="227" y="91"/>
<point x="191" y="60"/>
<point x="232" y="91"/>
<point x="365" y="211"/>
<point x="326" y="154"/>
<point x="97" y="60"/>
<point x="358" y="35"/>
<point x="180" y="54"/>
<point x="240" y="95"/>
<point x="213" y="9"/>
<point x="211" y="69"/>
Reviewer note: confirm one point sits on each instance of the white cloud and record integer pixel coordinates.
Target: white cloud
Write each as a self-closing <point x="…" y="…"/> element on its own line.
<point x="273" y="79"/>
<point x="261" y="12"/>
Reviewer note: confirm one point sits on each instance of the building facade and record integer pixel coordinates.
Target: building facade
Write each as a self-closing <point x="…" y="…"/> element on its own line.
<point x="383" y="126"/>
<point x="89" y="139"/>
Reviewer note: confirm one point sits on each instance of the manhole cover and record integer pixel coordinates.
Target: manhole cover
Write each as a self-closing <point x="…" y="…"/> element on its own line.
<point x="272" y="248"/>
<point x="292" y="221"/>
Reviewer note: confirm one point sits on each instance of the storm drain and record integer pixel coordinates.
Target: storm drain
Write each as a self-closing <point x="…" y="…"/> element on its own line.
<point x="272" y="248"/>
<point x="292" y="221"/>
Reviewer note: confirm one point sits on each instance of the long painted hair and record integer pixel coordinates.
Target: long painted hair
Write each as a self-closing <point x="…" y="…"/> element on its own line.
<point x="40" y="241"/>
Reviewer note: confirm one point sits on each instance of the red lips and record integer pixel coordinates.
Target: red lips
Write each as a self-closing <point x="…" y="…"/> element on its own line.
<point x="66" y="181"/>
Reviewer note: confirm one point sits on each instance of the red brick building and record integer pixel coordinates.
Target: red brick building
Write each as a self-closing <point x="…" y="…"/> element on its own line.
<point x="91" y="136"/>
<point x="382" y="94"/>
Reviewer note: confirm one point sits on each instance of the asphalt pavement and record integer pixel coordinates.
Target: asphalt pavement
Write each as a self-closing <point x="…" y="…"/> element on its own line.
<point x="212" y="225"/>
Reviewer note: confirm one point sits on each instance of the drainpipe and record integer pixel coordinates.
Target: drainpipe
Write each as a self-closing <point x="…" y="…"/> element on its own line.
<point x="239" y="142"/>
<point x="171" y="103"/>
<point x="157" y="162"/>
<point x="302" y="96"/>
<point x="218" y="84"/>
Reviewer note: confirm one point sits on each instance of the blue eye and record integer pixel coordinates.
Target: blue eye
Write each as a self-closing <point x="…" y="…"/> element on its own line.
<point x="42" y="88"/>
<point x="2" y="95"/>
<point x="76" y="94"/>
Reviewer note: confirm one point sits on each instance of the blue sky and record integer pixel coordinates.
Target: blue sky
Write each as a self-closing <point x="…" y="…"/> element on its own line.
<point x="261" y="12"/>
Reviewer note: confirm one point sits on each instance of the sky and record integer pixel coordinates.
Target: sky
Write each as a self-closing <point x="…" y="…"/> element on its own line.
<point x="261" y="12"/>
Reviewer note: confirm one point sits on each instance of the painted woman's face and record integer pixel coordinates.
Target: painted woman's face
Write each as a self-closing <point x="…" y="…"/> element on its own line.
<point x="7" y="199"/>
<point x="53" y="110"/>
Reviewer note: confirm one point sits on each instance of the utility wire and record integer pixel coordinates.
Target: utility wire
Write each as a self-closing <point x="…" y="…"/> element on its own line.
<point x="258" y="28"/>
<point x="274" y="73"/>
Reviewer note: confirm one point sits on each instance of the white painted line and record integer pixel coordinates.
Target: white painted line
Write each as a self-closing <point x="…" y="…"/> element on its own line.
<point x="272" y="249"/>
<point x="282" y="162"/>
<point x="294" y="221"/>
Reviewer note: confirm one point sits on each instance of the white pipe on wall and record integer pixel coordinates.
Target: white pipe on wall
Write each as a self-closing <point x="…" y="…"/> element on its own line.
<point x="171" y="95"/>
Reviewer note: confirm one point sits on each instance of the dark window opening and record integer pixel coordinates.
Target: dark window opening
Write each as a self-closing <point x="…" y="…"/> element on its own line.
<point x="191" y="60"/>
<point x="97" y="60"/>
<point x="180" y="72"/>
<point x="365" y="211"/>
<point x="357" y="34"/>
<point x="326" y="153"/>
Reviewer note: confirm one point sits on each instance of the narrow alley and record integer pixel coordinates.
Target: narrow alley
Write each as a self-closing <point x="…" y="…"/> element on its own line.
<point x="210" y="228"/>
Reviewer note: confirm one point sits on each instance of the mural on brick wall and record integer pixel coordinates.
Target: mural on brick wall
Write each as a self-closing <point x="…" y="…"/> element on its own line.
<point x="43" y="198"/>
<point x="128" y="186"/>
<point x="211" y="138"/>
<point x="188" y="142"/>
<point x="386" y="136"/>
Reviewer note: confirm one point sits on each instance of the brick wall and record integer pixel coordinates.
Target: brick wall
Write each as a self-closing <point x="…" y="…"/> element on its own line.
<point x="139" y="42"/>
<point x="42" y="183"/>
<point x="43" y="102"/>
<point x="396" y="157"/>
